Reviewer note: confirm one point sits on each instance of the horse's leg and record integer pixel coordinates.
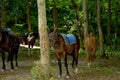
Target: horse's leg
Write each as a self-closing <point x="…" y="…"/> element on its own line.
<point x="94" y="58"/>
<point x="16" y="56"/>
<point x="8" y="59"/>
<point x="76" y="61"/>
<point x="29" y="50"/>
<point x="11" y="60"/>
<point x="73" y="61"/>
<point x="60" y="67"/>
<point x="66" y="65"/>
<point x="3" y="60"/>
<point x="89" y="58"/>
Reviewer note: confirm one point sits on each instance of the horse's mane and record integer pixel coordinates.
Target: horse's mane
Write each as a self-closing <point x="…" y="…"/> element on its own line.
<point x="8" y="32"/>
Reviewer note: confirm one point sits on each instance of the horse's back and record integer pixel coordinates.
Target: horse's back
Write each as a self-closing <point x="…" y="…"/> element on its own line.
<point x="94" y="42"/>
<point x="73" y="44"/>
<point x="90" y="43"/>
<point x="9" y="38"/>
<point x="70" y="39"/>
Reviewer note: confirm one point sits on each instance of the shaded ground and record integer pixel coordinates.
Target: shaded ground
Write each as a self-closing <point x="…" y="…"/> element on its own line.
<point x="105" y="69"/>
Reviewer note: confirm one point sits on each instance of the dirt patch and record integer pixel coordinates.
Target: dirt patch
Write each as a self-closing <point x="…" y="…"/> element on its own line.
<point x="105" y="69"/>
<point x="92" y="73"/>
<point x="21" y="73"/>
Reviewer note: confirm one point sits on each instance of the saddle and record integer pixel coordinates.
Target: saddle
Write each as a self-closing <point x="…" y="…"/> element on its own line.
<point x="69" y="39"/>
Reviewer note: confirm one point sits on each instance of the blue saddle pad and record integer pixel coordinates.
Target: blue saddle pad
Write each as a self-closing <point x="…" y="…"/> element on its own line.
<point x="69" y="39"/>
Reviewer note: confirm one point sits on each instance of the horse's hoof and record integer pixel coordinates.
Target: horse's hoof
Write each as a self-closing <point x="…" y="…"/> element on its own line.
<point x="12" y="70"/>
<point x="59" y="76"/>
<point x="67" y="77"/>
<point x="2" y="70"/>
<point x="76" y="70"/>
<point x="89" y="64"/>
<point x="16" y="67"/>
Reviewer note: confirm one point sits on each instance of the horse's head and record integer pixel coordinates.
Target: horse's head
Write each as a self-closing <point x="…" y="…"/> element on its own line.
<point x="52" y="38"/>
<point x="30" y="36"/>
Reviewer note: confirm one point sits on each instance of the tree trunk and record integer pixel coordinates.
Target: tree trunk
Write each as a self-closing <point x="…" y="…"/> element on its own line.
<point x="43" y="65"/>
<point x="100" y="30"/>
<point x="28" y="16"/>
<point x="55" y="18"/>
<point x="109" y="18"/>
<point x="85" y="17"/>
<point x="75" y="7"/>
<point x="116" y="18"/>
<point x="15" y="23"/>
<point x="3" y="14"/>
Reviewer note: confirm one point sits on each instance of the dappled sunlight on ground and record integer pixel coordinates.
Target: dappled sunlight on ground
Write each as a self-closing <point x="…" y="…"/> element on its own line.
<point x="26" y="46"/>
<point x="104" y="70"/>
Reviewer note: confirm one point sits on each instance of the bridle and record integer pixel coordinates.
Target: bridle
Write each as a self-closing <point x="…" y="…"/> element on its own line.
<point x="53" y="37"/>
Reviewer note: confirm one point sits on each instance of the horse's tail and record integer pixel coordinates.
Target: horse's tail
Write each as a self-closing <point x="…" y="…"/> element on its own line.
<point x="78" y="41"/>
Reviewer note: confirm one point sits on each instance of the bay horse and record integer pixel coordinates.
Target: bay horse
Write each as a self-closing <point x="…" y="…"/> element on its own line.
<point x="63" y="47"/>
<point x="90" y="44"/>
<point x="9" y="42"/>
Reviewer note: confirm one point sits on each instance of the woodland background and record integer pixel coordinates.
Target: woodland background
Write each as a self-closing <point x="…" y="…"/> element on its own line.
<point x="101" y="17"/>
<point x="22" y="16"/>
<point x="17" y="13"/>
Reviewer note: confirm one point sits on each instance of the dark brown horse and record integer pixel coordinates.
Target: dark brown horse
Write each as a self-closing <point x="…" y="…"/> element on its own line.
<point x="9" y="42"/>
<point x="63" y="48"/>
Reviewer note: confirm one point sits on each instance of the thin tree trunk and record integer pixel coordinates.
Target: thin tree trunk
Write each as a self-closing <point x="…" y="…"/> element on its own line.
<point x="55" y="18"/>
<point x="109" y="18"/>
<point x="28" y="16"/>
<point x="100" y="30"/>
<point x="116" y="19"/>
<point x="15" y="23"/>
<point x="85" y="17"/>
<point x="3" y="14"/>
<point x="44" y="66"/>
<point x="75" y="7"/>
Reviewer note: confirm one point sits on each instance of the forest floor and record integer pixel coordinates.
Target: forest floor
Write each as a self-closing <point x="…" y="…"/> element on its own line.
<point x="105" y="69"/>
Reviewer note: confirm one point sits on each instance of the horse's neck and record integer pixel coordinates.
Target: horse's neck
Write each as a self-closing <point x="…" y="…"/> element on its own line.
<point x="59" y="39"/>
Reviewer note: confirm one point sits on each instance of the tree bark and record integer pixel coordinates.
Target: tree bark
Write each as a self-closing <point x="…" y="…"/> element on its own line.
<point x="3" y="14"/>
<point x="101" y="41"/>
<point x="44" y="42"/>
<point x="75" y="7"/>
<point x="28" y="16"/>
<point x="85" y="17"/>
<point x="109" y="18"/>
<point x="15" y="23"/>
<point x="116" y="18"/>
<point x="55" y="17"/>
